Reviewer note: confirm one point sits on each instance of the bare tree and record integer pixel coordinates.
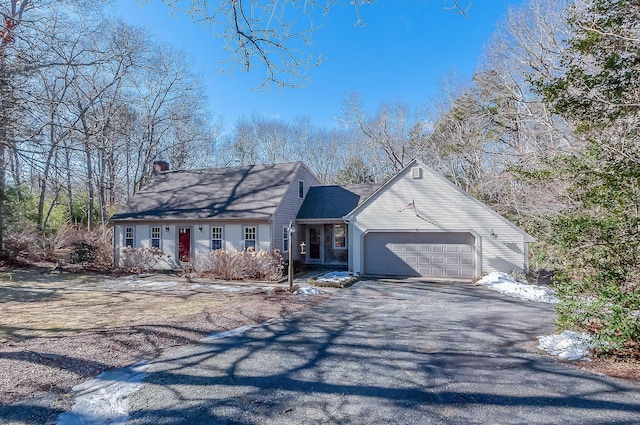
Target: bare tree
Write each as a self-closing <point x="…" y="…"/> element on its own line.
<point x="272" y="34"/>
<point x="390" y="138"/>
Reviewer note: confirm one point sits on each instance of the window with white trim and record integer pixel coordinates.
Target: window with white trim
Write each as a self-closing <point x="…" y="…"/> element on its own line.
<point x="155" y="237"/>
<point x="249" y="238"/>
<point x="340" y="236"/>
<point x="128" y="236"/>
<point x="216" y="238"/>
<point x="285" y="239"/>
<point x="300" y="189"/>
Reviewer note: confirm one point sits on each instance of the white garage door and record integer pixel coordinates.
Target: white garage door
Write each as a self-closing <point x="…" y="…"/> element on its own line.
<point x="429" y="254"/>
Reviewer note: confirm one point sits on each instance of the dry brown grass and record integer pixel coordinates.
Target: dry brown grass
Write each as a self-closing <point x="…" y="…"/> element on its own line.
<point x="57" y="330"/>
<point x="44" y="305"/>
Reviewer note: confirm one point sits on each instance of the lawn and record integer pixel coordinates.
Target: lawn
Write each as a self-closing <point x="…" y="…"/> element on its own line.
<point x="60" y="329"/>
<point x="36" y="304"/>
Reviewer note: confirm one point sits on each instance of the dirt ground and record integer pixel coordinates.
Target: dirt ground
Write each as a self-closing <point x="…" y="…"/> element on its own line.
<point x="60" y="329"/>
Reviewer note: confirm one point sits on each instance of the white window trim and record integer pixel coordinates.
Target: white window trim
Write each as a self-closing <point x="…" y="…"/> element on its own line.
<point x="300" y="186"/>
<point x="221" y="239"/>
<point x="344" y="226"/>
<point x="133" y="236"/>
<point x="255" y="237"/>
<point x="285" y="239"/>
<point x="159" y="238"/>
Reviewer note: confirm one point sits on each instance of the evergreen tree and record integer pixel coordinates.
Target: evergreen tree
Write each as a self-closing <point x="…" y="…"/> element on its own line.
<point x="598" y="235"/>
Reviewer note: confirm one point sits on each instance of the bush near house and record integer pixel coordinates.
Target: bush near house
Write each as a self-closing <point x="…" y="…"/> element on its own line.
<point x="140" y="260"/>
<point x="239" y="265"/>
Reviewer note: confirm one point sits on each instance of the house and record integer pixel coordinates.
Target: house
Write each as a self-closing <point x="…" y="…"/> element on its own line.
<point x="416" y="224"/>
<point x="420" y="224"/>
<point x="186" y="212"/>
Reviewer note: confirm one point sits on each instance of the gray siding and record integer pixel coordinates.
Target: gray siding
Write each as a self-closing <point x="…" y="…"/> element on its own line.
<point x="233" y="237"/>
<point x="289" y="207"/>
<point x="438" y="206"/>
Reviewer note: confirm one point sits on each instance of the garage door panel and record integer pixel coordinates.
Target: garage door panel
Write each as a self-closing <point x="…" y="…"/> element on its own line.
<point x="466" y="249"/>
<point x="411" y="259"/>
<point x="467" y="274"/>
<point x="437" y="272"/>
<point x="420" y="254"/>
<point x="466" y="261"/>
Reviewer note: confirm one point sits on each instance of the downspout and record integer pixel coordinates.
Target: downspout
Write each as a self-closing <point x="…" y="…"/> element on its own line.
<point x="349" y="221"/>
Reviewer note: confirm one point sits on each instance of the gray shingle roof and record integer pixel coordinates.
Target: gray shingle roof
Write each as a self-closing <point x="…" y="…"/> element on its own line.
<point x="222" y="193"/>
<point x="334" y="202"/>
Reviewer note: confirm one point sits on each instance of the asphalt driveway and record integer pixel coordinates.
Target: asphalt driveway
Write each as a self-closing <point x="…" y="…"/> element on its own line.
<point x="386" y="352"/>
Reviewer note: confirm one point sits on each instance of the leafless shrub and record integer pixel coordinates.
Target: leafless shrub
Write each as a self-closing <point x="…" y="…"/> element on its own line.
<point x="94" y="247"/>
<point x="140" y="260"/>
<point x="65" y="236"/>
<point x="239" y="265"/>
<point x="24" y="242"/>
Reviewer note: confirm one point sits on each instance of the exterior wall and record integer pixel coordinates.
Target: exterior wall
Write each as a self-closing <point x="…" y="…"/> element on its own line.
<point x="169" y="244"/>
<point x="233" y="238"/>
<point x="263" y="237"/>
<point x="438" y="206"/>
<point x="289" y="207"/>
<point x="118" y="239"/>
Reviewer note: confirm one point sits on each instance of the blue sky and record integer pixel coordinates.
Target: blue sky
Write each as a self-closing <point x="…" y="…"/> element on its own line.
<point x="402" y="54"/>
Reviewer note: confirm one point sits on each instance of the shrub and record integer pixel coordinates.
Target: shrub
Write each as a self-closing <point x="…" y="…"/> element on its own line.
<point x="239" y="265"/>
<point x="82" y="253"/>
<point x="94" y="247"/>
<point x="140" y="260"/>
<point x="24" y="242"/>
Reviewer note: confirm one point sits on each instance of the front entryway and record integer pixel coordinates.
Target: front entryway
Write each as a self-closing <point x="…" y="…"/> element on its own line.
<point x="184" y="244"/>
<point x="314" y="237"/>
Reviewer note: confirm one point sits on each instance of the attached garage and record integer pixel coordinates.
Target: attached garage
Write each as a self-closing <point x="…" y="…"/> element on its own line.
<point x="420" y="224"/>
<point x="429" y="254"/>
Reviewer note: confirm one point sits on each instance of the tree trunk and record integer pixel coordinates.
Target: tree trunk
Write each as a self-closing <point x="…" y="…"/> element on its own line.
<point x="90" y="189"/>
<point x="67" y="158"/>
<point x="5" y="120"/>
<point x="45" y="174"/>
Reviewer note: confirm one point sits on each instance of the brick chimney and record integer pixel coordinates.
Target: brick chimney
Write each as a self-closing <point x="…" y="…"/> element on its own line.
<point x="160" y="166"/>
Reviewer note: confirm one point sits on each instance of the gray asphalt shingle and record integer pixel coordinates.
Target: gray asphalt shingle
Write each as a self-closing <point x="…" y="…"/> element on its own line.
<point x="334" y="201"/>
<point x="223" y="193"/>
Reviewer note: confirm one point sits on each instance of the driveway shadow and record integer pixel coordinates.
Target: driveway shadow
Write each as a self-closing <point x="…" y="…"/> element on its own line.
<point x="379" y="352"/>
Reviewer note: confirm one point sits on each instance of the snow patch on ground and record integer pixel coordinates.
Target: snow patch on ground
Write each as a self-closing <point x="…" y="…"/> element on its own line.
<point x="507" y="285"/>
<point x="335" y="277"/>
<point x="567" y="345"/>
<point x="307" y="291"/>
<point x="104" y="400"/>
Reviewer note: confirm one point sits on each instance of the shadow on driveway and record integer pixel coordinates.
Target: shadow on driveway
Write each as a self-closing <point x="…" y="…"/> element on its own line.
<point x="405" y="352"/>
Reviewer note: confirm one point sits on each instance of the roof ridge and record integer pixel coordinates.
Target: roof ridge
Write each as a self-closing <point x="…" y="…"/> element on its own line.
<point x="195" y="170"/>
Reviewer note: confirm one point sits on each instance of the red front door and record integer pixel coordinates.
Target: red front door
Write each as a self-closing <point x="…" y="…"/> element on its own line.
<point x="184" y="244"/>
